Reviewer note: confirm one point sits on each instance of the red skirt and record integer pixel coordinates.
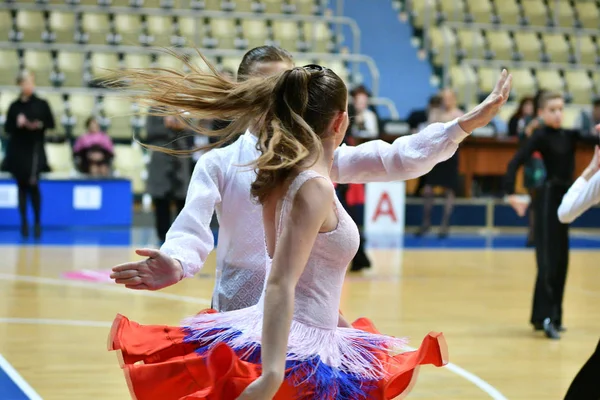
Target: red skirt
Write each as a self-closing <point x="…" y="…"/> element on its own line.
<point x="160" y="365"/>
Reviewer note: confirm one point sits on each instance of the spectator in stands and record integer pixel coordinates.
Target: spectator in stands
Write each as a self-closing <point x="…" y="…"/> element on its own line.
<point x="419" y="118"/>
<point x="168" y="176"/>
<point x="365" y="124"/>
<point x="94" y="150"/>
<point x="557" y="146"/>
<point x="588" y="120"/>
<point x="444" y="174"/>
<point x="27" y="120"/>
<point x="516" y="123"/>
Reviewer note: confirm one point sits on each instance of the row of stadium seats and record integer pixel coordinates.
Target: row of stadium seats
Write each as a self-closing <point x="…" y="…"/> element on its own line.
<point x="301" y="7"/>
<point x="505" y="44"/>
<point x="570" y="13"/>
<point x="118" y="114"/>
<point x="579" y="84"/>
<point x="162" y="30"/>
<point x="79" y="68"/>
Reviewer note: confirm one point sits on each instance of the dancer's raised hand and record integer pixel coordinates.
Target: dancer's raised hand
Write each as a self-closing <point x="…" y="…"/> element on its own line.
<point x="483" y="114"/>
<point x="518" y="203"/>
<point x="156" y="272"/>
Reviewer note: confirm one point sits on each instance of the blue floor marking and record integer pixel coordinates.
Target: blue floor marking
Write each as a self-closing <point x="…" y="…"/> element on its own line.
<point x="9" y="390"/>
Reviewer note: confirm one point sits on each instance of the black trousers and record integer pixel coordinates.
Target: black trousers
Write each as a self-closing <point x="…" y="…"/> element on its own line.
<point x="162" y="214"/>
<point x="586" y="385"/>
<point x="31" y="190"/>
<point x="552" y="255"/>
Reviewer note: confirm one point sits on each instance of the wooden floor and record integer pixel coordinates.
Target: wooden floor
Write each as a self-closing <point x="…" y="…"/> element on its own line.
<point x="53" y="331"/>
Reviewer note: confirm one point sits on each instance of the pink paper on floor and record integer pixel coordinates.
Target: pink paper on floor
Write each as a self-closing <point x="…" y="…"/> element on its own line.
<point x="89" y="275"/>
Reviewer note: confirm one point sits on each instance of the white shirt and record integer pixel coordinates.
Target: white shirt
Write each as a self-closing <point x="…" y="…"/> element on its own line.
<point x="220" y="184"/>
<point x="580" y="197"/>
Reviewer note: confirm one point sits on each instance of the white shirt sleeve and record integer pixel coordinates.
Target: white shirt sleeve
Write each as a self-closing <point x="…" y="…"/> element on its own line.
<point x="580" y="197"/>
<point x="408" y="157"/>
<point x="190" y="238"/>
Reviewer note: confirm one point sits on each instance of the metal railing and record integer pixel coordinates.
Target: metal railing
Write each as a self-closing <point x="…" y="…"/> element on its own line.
<point x="333" y="20"/>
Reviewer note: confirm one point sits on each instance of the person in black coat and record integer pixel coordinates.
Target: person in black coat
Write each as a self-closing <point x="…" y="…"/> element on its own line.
<point x="27" y="120"/>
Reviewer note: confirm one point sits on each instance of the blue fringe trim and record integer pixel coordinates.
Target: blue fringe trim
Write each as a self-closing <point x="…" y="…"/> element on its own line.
<point x="318" y="380"/>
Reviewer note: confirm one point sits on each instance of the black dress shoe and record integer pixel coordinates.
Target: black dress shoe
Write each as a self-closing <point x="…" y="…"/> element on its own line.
<point x="550" y="330"/>
<point x="539" y="326"/>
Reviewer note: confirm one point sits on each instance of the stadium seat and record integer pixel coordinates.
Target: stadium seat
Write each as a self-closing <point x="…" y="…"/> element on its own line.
<point x="9" y="66"/>
<point x="191" y="31"/>
<point x="500" y="44"/>
<point x="7" y="96"/>
<point x="273" y="6"/>
<point x="508" y="12"/>
<point x="557" y="47"/>
<point x="81" y="106"/>
<point x="584" y="48"/>
<point x="528" y="45"/>
<point x="286" y="34"/>
<point x="420" y="10"/>
<point x="481" y="11"/>
<point x="41" y="64"/>
<point x="57" y="105"/>
<point x="570" y="116"/>
<point x="139" y="60"/>
<point x="305" y="7"/>
<point x="464" y="82"/>
<point x="119" y="110"/>
<point x="160" y="30"/>
<point x="587" y="13"/>
<point x="63" y="26"/>
<point x="550" y="79"/>
<point x="30" y="25"/>
<point x="128" y="28"/>
<point x="443" y="43"/>
<point x="96" y="28"/>
<point x="129" y="163"/>
<point x="565" y="17"/>
<point x="255" y="32"/>
<point x="579" y="85"/>
<point x="534" y="11"/>
<point x="231" y="63"/>
<point x="102" y="64"/>
<point x="318" y="35"/>
<point x="60" y="157"/>
<point x="596" y="77"/>
<point x="472" y="43"/>
<point x="6" y="25"/>
<point x="523" y="81"/>
<point x="224" y="31"/>
<point x="71" y="66"/>
<point x="452" y="10"/>
<point x="487" y="78"/>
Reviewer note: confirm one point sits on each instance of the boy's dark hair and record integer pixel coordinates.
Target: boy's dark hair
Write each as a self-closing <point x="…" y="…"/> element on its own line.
<point x="258" y="55"/>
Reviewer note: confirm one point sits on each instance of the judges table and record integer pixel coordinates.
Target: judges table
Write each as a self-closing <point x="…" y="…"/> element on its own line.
<point x="483" y="156"/>
<point x="72" y="202"/>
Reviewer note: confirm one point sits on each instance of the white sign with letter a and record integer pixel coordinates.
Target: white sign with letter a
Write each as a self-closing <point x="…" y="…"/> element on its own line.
<point x="384" y="208"/>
